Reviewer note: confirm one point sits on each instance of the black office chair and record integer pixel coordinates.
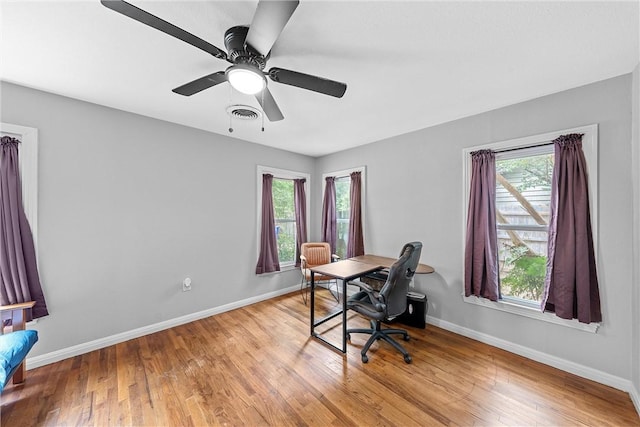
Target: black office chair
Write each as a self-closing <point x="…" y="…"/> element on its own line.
<point x="387" y="304"/>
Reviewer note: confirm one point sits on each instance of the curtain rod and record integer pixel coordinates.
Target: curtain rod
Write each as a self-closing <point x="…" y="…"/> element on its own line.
<point x="522" y="148"/>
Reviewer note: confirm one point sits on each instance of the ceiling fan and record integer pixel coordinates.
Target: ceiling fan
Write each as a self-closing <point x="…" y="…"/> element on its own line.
<point x="248" y="49"/>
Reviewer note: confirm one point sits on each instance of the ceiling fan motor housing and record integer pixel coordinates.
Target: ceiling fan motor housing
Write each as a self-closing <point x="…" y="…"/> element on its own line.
<point x="238" y="52"/>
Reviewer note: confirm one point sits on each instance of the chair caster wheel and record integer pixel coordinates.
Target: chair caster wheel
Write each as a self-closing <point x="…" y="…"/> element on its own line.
<point x="407" y="359"/>
<point x="406" y="338"/>
<point x="365" y="359"/>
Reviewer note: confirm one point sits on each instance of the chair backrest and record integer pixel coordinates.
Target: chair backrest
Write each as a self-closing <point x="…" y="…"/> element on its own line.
<point x="396" y="287"/>
<point x="317" y="253"/>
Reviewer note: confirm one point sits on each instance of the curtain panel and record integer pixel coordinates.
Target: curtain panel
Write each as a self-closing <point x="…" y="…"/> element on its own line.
<point x="329" y="222"/>
<point x="268" y="259"/>
<point x="481" y="272"/>
<point x="18" y="265"/>
<point x="300" y="206"/>
<point x="571" y="282"/>
<point x="355" y="244"/>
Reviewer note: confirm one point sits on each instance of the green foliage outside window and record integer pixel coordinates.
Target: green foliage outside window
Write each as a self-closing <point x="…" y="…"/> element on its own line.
<point x="343" y="210"/>
<point x="524" y="270"/>
<point x="526" y="274"/>
<point x="284" y="210"/>
<point x="535" y="171"/>
<point x="343" y="187"/>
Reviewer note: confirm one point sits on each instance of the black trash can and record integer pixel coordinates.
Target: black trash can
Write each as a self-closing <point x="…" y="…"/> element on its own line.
<point x="416" y="311"/>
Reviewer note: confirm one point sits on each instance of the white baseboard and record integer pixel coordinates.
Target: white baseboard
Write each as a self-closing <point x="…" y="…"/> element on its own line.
<point x="635" y="398"/>
<point x="65" y="353"/>
<point x="538" y="356"/>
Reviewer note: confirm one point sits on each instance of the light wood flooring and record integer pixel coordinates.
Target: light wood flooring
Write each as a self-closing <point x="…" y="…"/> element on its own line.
<point x="257" y="366"/>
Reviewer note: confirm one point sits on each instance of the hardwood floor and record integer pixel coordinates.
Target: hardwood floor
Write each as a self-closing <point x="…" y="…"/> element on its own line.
<point x="257" y="366"/>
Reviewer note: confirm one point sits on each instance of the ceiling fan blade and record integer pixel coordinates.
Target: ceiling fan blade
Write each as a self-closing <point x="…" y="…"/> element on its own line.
<point x="307" y="81"/>
<point x="160" y="24"/>
<point x="268" y="22"/>
<point x="201" y="84"/>
<point x="269" y="105"/>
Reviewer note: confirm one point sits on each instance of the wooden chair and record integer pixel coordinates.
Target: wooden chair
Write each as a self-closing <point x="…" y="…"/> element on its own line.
<point x="313" y="254"/>
<point x="15" y="342"/>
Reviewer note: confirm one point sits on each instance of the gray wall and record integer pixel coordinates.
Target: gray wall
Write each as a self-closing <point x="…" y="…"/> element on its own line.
<point x="414" y="192"/>
<point x="129" y="206"/>
<point x="635" y="357"/>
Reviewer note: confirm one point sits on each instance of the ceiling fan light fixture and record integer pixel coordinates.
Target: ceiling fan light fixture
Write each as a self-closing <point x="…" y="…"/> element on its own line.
<point x="246" y="79"/>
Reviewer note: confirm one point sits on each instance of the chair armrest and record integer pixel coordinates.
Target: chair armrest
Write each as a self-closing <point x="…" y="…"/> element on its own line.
<point x="17" y="313"/>
<point x="372" y="294"/>
<point x="363" y="286"/>
<point x="334" y="257"/>
<point x="303" y="262"/>
<point x="19" y="306"/>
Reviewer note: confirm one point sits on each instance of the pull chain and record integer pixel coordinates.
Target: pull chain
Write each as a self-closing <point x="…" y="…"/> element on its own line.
<point x="230" y="113"/>
<point x="263" y="109"/>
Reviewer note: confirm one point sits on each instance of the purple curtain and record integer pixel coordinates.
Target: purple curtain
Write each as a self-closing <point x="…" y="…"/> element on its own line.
<point x="268" y="258"/>
<point x="18" y="268"/>
<point x="481" y="276"/>
<point x="571" y="283"/>
<point x="355" y="245"/>
<point x="300" y="205"/>
<point x="329" y="223"/>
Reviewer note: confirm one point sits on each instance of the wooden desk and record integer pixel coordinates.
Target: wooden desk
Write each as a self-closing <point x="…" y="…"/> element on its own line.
<point x="386" y="262"/>
<point x="346" y="270"/>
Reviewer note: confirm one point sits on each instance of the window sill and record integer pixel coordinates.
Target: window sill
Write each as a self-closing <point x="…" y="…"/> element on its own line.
<point x="289" y="268"/>
<point x="283" y="269"/>
<point x="532" y="313"/>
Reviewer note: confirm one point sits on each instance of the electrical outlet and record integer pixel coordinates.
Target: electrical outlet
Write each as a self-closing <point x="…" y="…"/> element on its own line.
<point x="186" y="285"/>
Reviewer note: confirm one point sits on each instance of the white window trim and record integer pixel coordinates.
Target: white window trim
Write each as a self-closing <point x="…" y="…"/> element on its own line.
<point x="282" y="174"/>
<point x="590" y="149"/>
<point x="363" y="188"/>
<point x="28" y="164"/>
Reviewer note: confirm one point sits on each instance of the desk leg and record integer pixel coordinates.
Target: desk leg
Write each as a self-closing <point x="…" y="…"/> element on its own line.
<point x="344" y="315"/>
<point x="330" y="316"/>
<point x="313" y="303"/>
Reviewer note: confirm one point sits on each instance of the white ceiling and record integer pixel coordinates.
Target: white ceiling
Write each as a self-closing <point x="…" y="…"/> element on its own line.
<point x="408" y="65"/>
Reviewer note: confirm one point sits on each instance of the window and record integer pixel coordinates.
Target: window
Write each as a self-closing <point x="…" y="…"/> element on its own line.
<point x="343" y="206"/>
<point x="524" y="168"/>
<point x="284" y="210"/>
<point x="285" y="220"/>
<point x="523" y="196"/>
<point x="28" y="171"/>
<point x="343" y="210"/>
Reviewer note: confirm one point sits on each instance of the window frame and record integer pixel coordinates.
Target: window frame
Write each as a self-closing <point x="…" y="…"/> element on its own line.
<point x="590" y="149"/>
<point x="347" y="173"/>
<point x="279" y="174"/>
<point x="28" y="164"/>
